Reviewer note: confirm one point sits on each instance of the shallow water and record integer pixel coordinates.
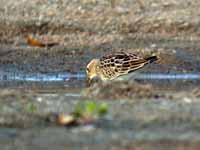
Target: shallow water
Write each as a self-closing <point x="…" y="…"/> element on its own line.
<point x="144" y="119"/>
<point x="68" y="79"/>
<point x="54" y="77"/>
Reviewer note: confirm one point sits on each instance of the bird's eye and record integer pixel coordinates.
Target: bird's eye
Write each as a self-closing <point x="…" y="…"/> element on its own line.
<point x="87" y="69"/>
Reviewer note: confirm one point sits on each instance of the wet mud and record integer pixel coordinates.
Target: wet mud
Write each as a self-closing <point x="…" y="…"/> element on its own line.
<point x="158" y="106"/>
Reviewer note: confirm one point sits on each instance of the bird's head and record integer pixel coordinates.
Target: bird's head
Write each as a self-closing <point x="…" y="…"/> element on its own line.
<point x="91" y="69"/>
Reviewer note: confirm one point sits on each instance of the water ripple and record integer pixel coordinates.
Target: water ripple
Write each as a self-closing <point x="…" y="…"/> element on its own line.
<point x="51" y="77"/>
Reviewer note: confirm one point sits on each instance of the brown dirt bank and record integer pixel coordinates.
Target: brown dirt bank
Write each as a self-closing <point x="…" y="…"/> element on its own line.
<point x="174" y="18"/>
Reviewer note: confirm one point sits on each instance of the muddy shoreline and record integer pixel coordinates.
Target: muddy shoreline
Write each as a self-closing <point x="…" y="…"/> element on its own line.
<point x="143" y="114"/>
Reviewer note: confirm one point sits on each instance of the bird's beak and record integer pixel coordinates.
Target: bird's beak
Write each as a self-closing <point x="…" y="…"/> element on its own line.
<point x="88" y="81"/>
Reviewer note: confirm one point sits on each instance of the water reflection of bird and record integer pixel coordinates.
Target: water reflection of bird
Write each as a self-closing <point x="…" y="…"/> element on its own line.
<point x="116" y="64"/>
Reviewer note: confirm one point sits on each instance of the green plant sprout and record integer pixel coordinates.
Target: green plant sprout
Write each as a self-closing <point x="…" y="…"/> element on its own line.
<point x="90" y="109"/>
<point x="30" y="108"/>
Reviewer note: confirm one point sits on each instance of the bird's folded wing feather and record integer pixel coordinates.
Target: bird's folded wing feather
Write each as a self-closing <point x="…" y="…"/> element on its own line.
<point x="121" y="63"/>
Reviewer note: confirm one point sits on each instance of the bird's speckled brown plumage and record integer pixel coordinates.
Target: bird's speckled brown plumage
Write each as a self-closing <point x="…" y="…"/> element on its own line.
<point x="113" y="65"/>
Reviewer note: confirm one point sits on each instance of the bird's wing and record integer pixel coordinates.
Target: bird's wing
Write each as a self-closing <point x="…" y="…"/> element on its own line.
<point x="121" y="63"/>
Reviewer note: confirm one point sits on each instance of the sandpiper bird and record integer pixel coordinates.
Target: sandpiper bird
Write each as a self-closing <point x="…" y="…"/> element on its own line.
<point x="116" y="64"/>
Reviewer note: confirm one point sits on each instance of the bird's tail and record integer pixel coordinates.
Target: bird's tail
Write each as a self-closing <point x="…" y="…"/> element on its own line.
<point x="151" y="59"/>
